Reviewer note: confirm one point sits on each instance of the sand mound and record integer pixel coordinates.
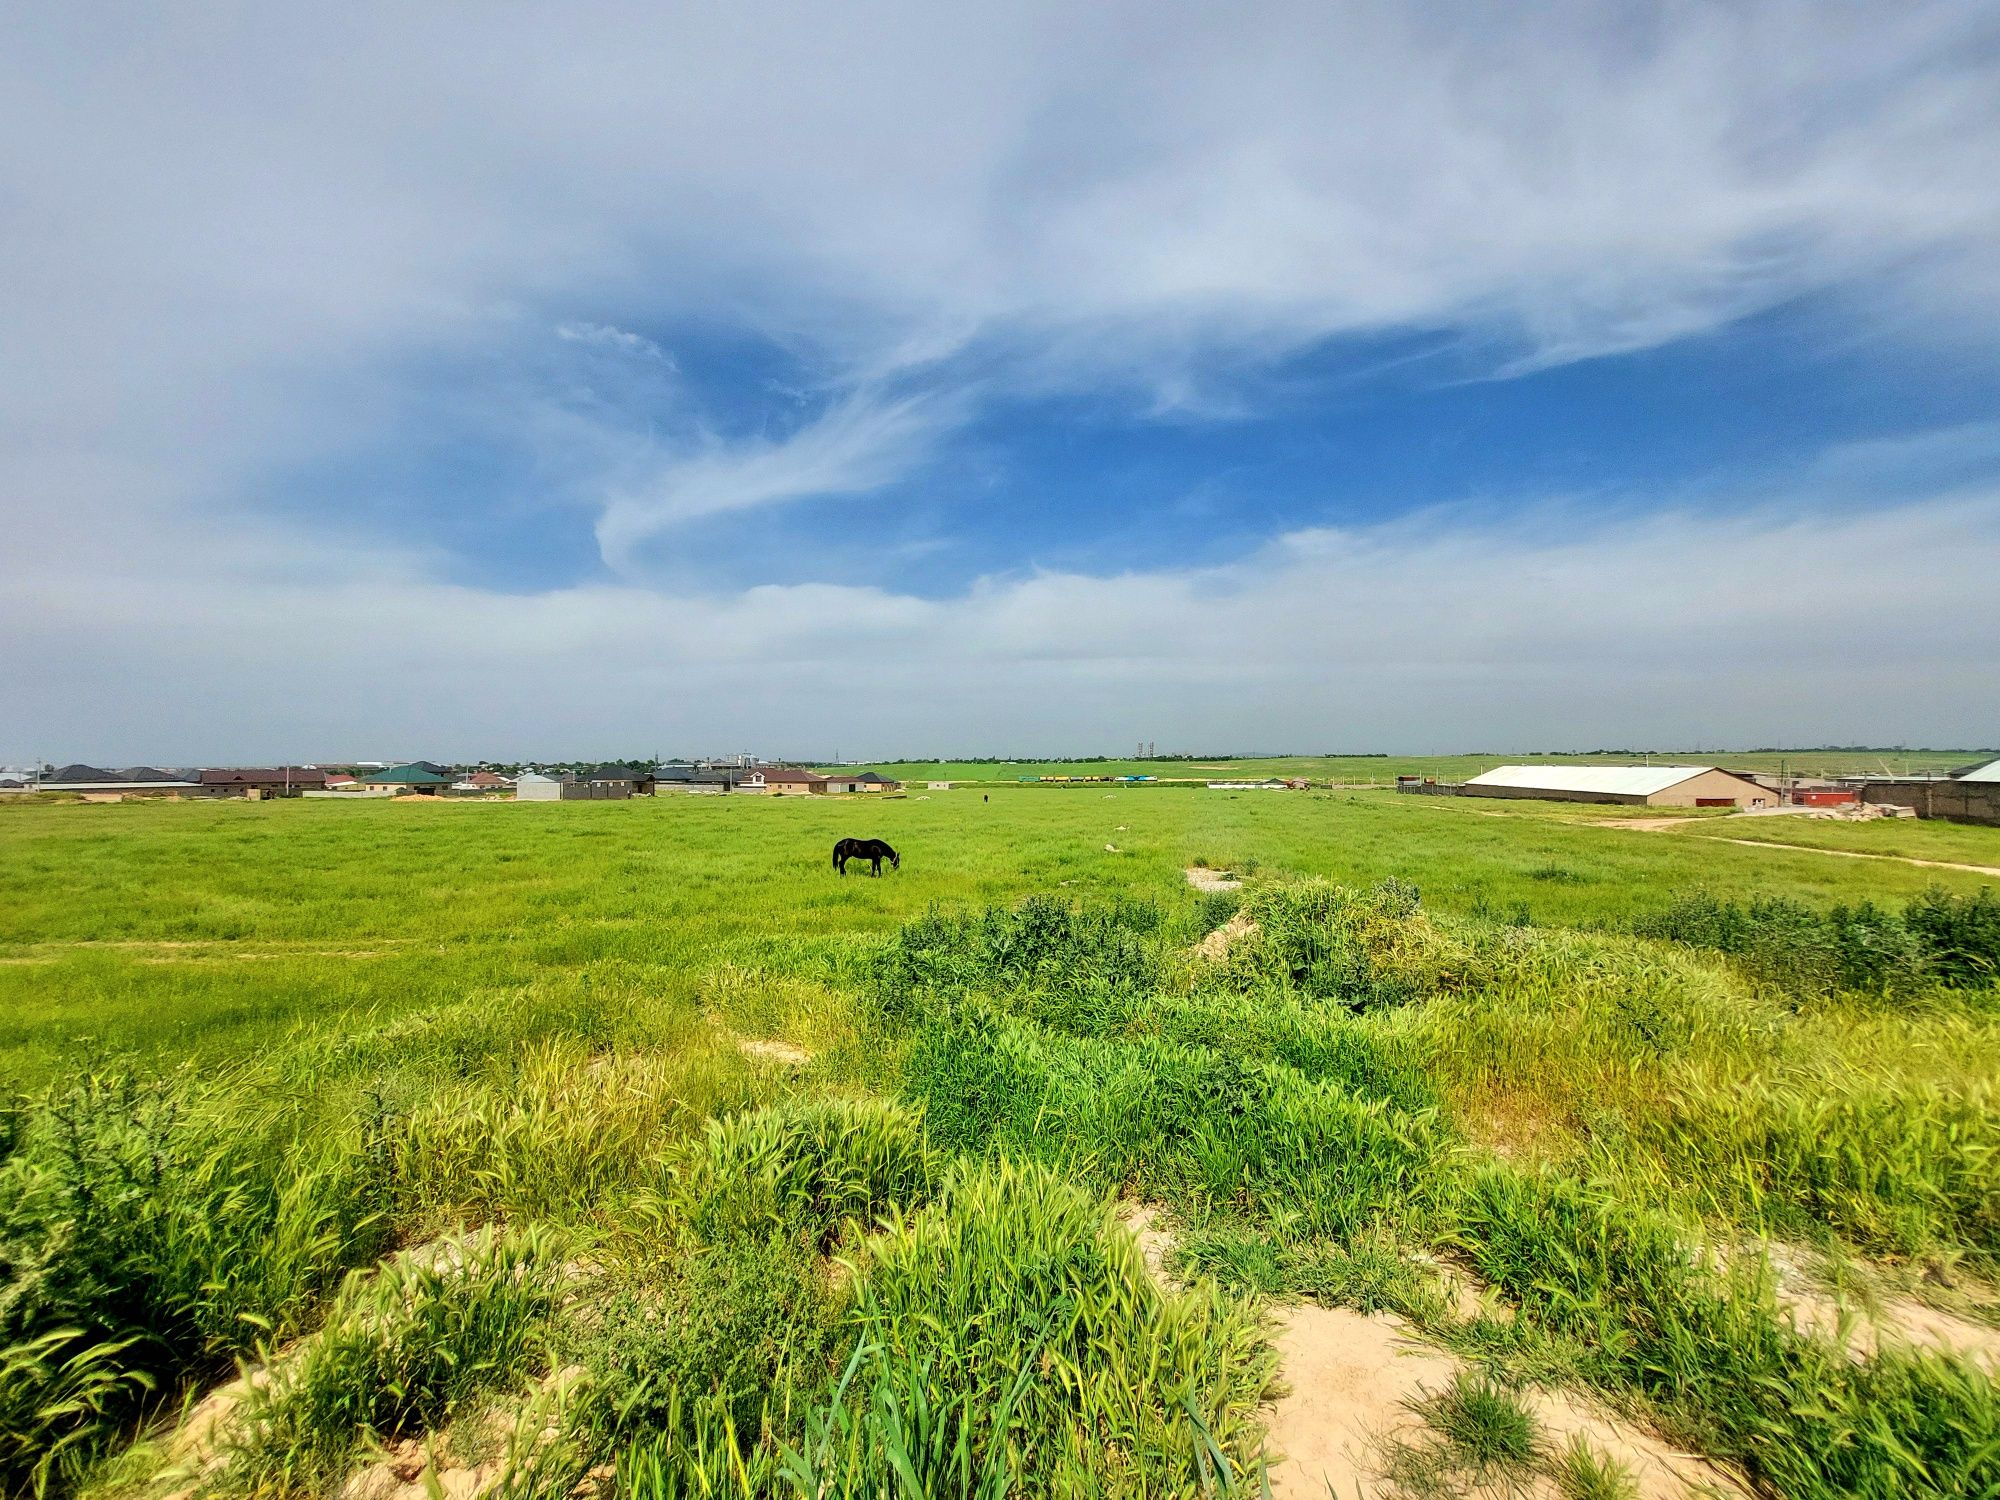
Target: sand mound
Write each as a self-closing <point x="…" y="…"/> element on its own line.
<point x="768" y="1049"/>
<point x="1204" y="879"/>
<point x="1217" y="943"/>
<point x="1353" y="1378"/>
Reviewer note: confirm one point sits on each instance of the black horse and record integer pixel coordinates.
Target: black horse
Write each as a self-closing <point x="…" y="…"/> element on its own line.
<point x="873" y="850"/>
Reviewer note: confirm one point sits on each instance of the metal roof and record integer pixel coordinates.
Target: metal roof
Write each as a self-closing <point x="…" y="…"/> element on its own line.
<point x="1623" y="781"/>
<point x="412" y="775"/>
<point x="1988" y="772"/>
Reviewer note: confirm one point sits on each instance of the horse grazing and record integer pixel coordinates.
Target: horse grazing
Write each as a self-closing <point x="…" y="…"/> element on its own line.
<point x="873" y="850"/>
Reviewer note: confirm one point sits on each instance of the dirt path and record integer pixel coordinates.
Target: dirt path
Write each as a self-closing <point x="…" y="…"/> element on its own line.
<point x="1901" y="859"/>
<point x="1351" y="1381"/>
<point x="1661" y="825"/>
<point x="1355" y="1377"/>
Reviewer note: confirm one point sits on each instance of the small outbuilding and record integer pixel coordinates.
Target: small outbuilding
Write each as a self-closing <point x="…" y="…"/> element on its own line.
<point x="616" y="781"/>
<point x="533" y="786"/>
<point x="406" y="780"/>
<point x="1632" y="786"/>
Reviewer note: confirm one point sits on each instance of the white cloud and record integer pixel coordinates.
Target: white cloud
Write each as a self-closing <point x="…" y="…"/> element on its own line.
<point x="859" y="445"/>
<point x="618" y="340"/>
<point x="228" y="229"/>
<point x="1773" y="626"/>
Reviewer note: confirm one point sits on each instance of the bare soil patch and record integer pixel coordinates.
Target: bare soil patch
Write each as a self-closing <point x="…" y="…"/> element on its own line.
<point x="1217" y="944"/>
<point x="1204" y="879"/>
<point x="1156" y="1241"/>
<point x="770" y="1049"/>
<point x="1351" y="1379"/>
<point x="1865" y="1325"/>
<point x="1354" y="1378"/>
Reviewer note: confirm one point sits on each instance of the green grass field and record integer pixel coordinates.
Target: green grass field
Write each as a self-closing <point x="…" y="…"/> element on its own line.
<point x="756" y="1180"/>
<point x="1384" y="769"/>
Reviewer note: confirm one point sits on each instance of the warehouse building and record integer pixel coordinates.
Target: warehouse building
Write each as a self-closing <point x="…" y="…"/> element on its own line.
<point x="1634" y="786"/>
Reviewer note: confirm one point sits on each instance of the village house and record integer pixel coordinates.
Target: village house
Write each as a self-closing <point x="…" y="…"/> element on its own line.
<point x="262" y="781"/>
<point x="790" y="781"/>
<point x="94" y="784"/>
<point x="406" y="780"/>
<point x="616" y="781"/>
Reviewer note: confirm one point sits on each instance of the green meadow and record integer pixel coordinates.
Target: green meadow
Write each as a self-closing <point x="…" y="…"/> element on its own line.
<point x="1384" y="769"/>
<point x="625" y="1149"/>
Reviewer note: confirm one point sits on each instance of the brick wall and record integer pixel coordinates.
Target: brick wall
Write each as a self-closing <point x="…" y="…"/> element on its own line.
<point x="1957" y="801"/>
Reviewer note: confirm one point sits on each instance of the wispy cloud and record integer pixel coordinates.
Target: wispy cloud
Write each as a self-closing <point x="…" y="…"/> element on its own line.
<point x="618" y="340"/>
<point x="860" y="444"/>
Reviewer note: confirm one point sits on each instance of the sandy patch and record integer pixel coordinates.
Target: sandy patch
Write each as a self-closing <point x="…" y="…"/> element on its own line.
<point x="1353" y="1378"/>
<point x="769" y="1049"/>
<point x="1147" y="1225"/>
<point x="1217" y="944"/>
<point x="1204" y="879"/>
<point x="1349" y="1380"/>
<point x="1865" y="1325"/>
<point x="1896" y="1323"/>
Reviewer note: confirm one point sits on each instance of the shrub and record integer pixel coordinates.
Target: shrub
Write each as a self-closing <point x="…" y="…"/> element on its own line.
<point x="1364" y="949"/>
<point x="1938" y="939"/>
<point x="1019" y="1328"/>
<point x="1959" y="936"/>
<point x="801" y="1168"/>
<point x="145" y="1234"/>
<point x="399" y="1353"/>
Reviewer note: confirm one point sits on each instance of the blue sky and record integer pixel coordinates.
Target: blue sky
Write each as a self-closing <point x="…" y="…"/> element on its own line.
<point x="943" y="380"/>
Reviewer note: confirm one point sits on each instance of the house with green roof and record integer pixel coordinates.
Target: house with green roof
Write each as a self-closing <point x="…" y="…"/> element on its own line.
<point x="415" y="779"/>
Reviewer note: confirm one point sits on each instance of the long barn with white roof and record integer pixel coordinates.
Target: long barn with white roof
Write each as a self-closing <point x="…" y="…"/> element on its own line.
<point x="1637" y="786"/>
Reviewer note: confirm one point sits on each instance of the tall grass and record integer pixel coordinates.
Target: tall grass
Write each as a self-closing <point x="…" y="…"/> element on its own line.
<point x="1707" y="1348"/>
<point x="1029" y="1334"/>
<point x="400" y="1352"/>
<point x="148" y="1230"/>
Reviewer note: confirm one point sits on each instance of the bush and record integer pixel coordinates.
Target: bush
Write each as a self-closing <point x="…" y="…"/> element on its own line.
<point x="400" y="1351"/>
<point x="1012" y="1336"/>
<point x="1939" y="939"/>
<point x="146" y="1235"/>
<point x="1959" y="936"/>
<point x="803" y="1169"/>
<point x="1363" y="949"/>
